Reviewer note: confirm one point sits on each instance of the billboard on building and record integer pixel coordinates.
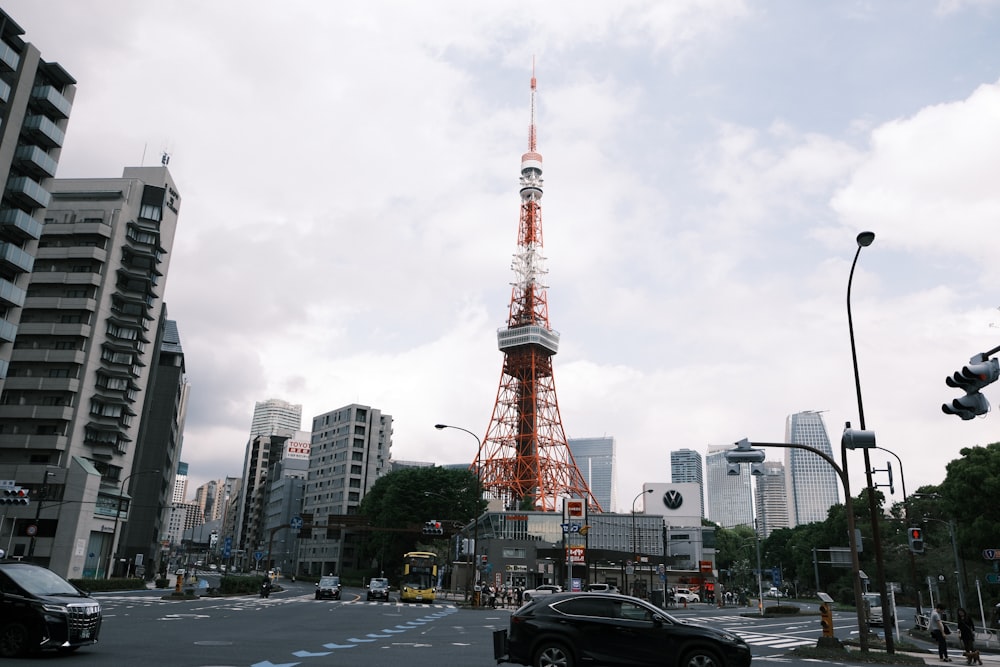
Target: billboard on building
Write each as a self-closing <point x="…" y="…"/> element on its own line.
<point x="679" y="504"/>
<point x="297" y="450"/>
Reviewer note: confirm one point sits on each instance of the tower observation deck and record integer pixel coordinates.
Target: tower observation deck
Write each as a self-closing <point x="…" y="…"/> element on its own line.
<point x="525" y="459"/>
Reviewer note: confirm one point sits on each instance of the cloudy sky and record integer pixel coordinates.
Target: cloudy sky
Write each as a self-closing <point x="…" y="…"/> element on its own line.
<point x="350" y="209"/>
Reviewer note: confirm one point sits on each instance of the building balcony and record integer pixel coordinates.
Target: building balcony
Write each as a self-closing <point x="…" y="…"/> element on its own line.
<point x="51" y="101"/>
<point x="17" y="224"/>
<point x="44" y="131"/>
<point x="28" y="193"/>
<point x="46" y="412"/>
<point x="43" y="277"/>
<point x="25" y="441"/>
<point x="35" y="161"/>
<point x="9" y="60"/>
<point x="11" y="294"/>
<point x="8" y="330"/>
<point x="41" y="384"/>
<point x="34" y="356"/>
<point x="78" y="252"/>
<point x="69" y="329"/>
<point x="15" y="259"/>
<point x="61" y="303"/>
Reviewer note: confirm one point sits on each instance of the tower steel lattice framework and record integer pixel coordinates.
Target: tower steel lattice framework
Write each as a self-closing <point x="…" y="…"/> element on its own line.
<point x="524" y="459"/>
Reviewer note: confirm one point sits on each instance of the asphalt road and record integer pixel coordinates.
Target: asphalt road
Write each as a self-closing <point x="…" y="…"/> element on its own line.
<point x="290" y="628"/>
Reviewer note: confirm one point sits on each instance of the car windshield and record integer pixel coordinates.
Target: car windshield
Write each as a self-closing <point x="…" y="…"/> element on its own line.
<point x="329" y="582"/>
<point x="40" y="581"/>
<point x="379" y="584"/>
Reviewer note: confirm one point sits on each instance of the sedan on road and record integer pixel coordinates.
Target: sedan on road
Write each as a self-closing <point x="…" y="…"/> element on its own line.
<point x="567" y="629"/>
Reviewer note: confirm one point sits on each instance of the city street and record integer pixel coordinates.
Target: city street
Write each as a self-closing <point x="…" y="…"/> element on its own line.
<point x="291" y="628"/>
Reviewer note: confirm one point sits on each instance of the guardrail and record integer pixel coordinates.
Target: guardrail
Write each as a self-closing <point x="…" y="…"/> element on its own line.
<point x="988" y="638"/>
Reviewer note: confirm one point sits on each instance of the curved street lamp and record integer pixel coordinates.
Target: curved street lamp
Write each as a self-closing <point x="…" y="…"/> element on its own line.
<point x="479" y="497"/>
<point x="864" y="240"/>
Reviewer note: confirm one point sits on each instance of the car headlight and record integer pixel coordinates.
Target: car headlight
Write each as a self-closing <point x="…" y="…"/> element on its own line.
<point x="55" y="608"/>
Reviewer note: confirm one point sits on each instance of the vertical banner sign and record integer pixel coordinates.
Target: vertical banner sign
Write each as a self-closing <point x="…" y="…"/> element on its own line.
<point x="574" y="518"/>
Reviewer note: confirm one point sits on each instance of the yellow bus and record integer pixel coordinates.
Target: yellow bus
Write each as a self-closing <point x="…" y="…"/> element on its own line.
<point x="419" y="577"/>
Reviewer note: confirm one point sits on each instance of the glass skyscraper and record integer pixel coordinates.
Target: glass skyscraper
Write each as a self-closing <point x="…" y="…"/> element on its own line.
<point x="595" y="457"/>
<point x="811" y="481"/>
<point x="729" y="496"/>
<point x="686" y="467"/>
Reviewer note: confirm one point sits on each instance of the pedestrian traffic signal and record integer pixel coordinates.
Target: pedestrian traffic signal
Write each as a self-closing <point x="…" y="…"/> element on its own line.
<point x="433" y="528"/>
<point x="972" y="377"/>
<point x="15" y="495"/>
<point x="915" y="536"/>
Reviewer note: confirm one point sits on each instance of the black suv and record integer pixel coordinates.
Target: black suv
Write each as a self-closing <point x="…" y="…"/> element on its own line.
<point x="609" y="629"/>
<point x="41" y="610"/>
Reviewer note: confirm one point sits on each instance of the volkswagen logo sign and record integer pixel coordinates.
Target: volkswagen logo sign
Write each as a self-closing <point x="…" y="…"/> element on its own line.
<point x="673" y="499"/>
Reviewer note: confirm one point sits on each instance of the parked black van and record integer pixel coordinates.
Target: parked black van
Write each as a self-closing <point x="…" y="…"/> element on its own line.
<point x="40" y="610"/>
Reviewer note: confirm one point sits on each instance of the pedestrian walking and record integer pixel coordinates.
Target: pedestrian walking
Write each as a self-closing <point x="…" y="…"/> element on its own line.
<point x="967" y="633"/>
<point x="939" y="632"/>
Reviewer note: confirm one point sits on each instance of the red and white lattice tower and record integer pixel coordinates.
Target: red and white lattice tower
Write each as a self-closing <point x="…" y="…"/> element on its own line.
<point x="524" y="459"/>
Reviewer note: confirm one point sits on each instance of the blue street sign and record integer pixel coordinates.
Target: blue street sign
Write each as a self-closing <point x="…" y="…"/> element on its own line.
<point x="227" y="547"/>
<point x="257" y="555"/>
<point x="993" y="578"/>
<point x="296" y="522"/>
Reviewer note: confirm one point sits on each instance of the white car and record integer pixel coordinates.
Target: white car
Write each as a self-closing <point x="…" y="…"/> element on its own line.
<point x="544" y="589"/>
<point x="686" y="595"/>
<point x="774" y="593"/>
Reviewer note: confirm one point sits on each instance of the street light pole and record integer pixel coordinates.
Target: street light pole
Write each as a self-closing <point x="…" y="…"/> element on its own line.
<point x="635" y="548"/>
<point x="865" y="239"/>
<point x="841" y="471"/>
<point x="42" y="493"/>
<point x="479" y="498"/>
<point x="113" y="549"/>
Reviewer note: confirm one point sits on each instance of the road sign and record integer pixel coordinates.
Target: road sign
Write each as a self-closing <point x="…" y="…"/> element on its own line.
<point x="257" y="555"/>
<point x="296" y="522"/>
<point x="993" y="578"/>
<point x="991" y="554"/>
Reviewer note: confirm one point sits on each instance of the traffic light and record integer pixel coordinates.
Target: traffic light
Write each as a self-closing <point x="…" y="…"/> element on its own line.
<point x="826" y="619"/>
<point x="915" y="536"/>
<point x="972" y="377"/>
<point x="15" y="495"/>
<point x="744" y="453"/>
<point x="433" y="528"/>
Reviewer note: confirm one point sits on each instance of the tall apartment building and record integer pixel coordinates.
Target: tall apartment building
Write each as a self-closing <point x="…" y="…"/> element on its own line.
<point x="772" y="498"/>
<point x="261" y="453"/>
<point x="350" y="451"/>
<point x="79" y="372"/>
<point x="275" y="416"/>
<point x="36" y="98"/>
<point x="213" y="496"/>
<point x="729" y="496"/>
<point x="161" y="427"/>
<point x="812" y="482"/>
<point x="686" y="468"/>
<point x="595" y="457"/>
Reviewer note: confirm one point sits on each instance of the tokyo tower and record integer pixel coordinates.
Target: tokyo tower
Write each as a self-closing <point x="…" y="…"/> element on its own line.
<point x="524" y="459"/>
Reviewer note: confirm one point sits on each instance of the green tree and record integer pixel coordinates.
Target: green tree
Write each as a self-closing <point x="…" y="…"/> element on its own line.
<point x="398" y="505"/>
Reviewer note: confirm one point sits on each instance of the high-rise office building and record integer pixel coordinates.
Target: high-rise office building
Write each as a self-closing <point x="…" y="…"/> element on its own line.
<point x="80" y="371"/>
<point x="772" y="498"/>
<point x="274" y="416"/>
<point x="686" y="468"/>
<point x="36" y="98"/>
<point x="729" y="496"/>
<point x="350" y="451"/>
<point x="180" y="483"/>
<point x="595" y="457"/>
<point x="813" y="482"/>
